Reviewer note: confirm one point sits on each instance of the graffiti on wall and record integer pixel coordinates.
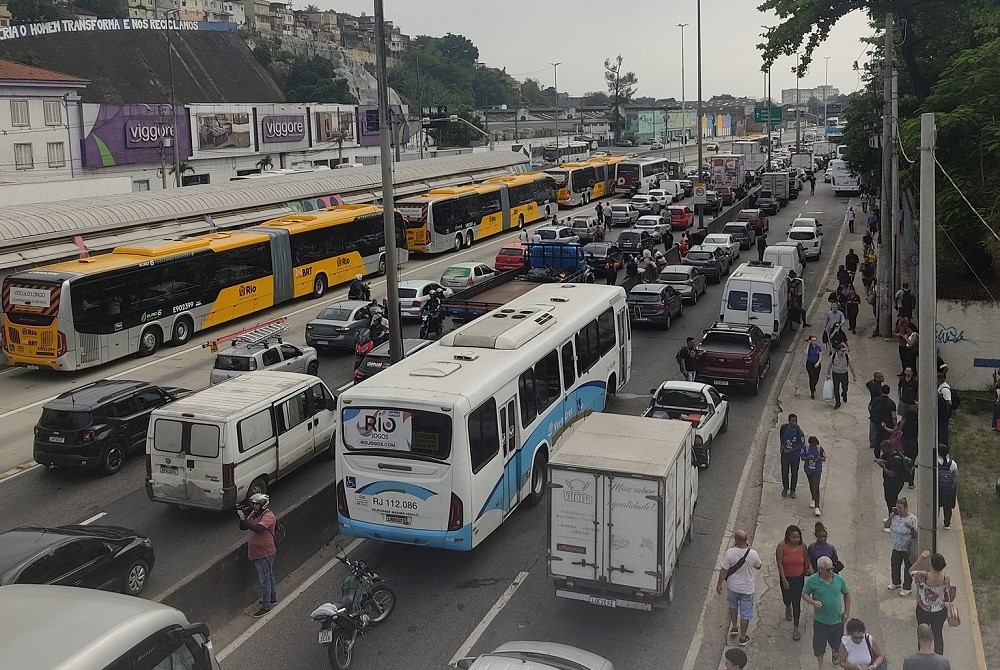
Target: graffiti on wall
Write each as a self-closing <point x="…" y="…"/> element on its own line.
<point x="950" y="335"/>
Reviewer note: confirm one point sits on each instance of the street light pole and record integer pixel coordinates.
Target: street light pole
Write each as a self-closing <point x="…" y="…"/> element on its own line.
<point x="555" y="84"/>
<point x="684" y="130"/>
<point x="798" y="125"/>
<point x="173" y="103"/>
<point x="701" y="210"/>
<point x="826" y="86"/>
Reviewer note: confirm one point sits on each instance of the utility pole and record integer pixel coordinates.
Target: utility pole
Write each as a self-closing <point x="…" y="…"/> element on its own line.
<point x="897" y="233"/>
<point x="826" y="87"/>
<point x="388" y="205"/>
<point x="173" y="102"/>
<point x="701" y="210"/>
<point x="555" y="84"/>
<point x="420" y="103"/>
<point x="884" y="325"/>
<point x="770" y="140"/>
<point x="682" y="140"/>
<point x="926" y="355"/>
<point x="798" y="124"/>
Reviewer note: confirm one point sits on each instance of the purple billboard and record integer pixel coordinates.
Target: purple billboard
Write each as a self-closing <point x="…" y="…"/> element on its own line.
<point x="284" y="128"/>
<point x="368" y="126"/>
<point x="132" y="134"/>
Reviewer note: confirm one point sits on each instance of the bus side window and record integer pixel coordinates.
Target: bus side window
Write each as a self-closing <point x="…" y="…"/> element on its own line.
<point x="526" y="397"/>
<point x="484" y="438"/>
<point x="569" y="365"/>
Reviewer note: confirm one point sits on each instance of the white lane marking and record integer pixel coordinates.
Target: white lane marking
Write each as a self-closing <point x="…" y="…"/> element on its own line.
<point x="488" y="619"/>
<point x="92" y="519"/>
<point x="449" y="258"/>
<point x="316" y="576"/>
<point x="345" y="387"/>
<point x="18" y="471"/>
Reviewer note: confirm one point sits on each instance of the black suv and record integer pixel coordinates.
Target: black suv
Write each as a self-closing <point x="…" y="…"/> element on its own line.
<point x="634" y="241"/>
<point x="96" y="425"/>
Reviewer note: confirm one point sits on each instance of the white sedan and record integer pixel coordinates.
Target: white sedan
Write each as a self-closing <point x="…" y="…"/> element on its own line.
<point x="528" y="655"/>
<point x="700" y="404"/>
<point x="414" y="294"/>
<point x="724" y="241"/>
<point x="654" y="224"/>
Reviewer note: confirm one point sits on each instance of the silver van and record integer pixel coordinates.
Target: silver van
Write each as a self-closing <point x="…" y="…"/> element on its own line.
<point x="68" y="628"/>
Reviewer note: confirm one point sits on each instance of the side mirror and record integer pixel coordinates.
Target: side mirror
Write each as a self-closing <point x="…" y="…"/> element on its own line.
<point x="652" y="391"/>
<point x="724" y="396"/>
<point x="465" y="663"/>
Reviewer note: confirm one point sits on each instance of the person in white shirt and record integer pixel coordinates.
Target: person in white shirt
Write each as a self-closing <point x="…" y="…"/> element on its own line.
<point x="523" y="237"/>
<point x="738" y="572"/>
<point x="536" y="238"/>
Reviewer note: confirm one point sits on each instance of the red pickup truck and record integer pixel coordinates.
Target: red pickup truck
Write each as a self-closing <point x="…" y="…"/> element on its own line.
<point x="732" y="354"/>
<point x="756" y="218"/>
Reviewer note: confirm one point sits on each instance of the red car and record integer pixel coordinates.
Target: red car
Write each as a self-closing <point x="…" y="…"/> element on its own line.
<point x="732" y="354"/>
<point x="681" y="217"/>
<point x="756" y="219"/>
<point x="510" y="257"/>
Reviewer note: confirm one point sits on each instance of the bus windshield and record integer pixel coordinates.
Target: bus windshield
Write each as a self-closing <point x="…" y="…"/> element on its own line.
<point x="403" y="431"/>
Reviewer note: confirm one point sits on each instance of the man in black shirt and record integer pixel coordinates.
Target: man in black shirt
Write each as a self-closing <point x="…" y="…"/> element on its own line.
<point x="882" y="416"/>
<point x="687" y="360"/>
<point x="907" y="390"/>
<point x="851" y="262"/>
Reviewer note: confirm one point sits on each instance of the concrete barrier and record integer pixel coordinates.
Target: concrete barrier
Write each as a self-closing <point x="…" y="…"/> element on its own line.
<point x="224" y="587"/>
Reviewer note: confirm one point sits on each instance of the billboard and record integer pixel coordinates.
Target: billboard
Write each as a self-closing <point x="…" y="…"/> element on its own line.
<point x="334" y="126"/>
<point x="223" y="130"/>
<point x="132" y="134"/>
<point x="368" y="126"/>
<point x="284" y="128"/>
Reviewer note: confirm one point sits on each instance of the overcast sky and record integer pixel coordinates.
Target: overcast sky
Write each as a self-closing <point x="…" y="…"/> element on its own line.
<point x="524" y="36"/>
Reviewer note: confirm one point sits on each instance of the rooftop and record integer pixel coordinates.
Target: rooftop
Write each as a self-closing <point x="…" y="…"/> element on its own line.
<point x="11" y="71"/>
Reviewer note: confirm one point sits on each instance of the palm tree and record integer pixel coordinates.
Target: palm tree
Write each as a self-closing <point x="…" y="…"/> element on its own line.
<point x="312" y="9"/>
<point x="184" y="167"/>
<point x="265" y="163"/>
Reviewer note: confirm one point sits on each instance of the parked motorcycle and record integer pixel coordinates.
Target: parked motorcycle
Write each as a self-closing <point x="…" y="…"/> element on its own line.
<point x="431" y="321"/>
<point x="366" y="600"/>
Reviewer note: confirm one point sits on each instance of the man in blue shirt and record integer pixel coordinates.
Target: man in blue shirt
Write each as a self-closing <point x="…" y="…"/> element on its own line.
<point x="792" y="441"/>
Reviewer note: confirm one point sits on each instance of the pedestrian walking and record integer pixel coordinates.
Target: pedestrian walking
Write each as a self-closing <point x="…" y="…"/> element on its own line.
<point x="821" y="547"/>
<point x="925" y="658"/>
<point x="827" y="593"/>
<point x="893" y="478"/>
<point x="812" y="184"/>
<point x="687" y="360"/>
<point x="947" y="473"/>
<point x="904" y="300"/>
<point x="761" y="245"/>
<point x="945" y="402"/>
<point x="934" y="592"/>
<point x="907" y="390"/>
<point x="260" y="522"/>
<point x="859" y="650"/>
<point x="735" y="659"/>
<point x="840" y="365"/>
<point x="849" y="219"/>
<point x="793" y="568"/>
<point x="611" y="271"/>
<point x="872" y="223"/>
<point x="852" y="305"/>
<point x="738" y="572"/>
<point x="834" y="317"/>
<point x="881" y="417"/>
<point x="903" y="527"/>
<point x="600" y="216"/>
<point x="523" y="236"/>
<point x="792" y="441"/>
<point x="851" y="262"/>
<point x="813" y="364"/>
<point x="813" y="457"/>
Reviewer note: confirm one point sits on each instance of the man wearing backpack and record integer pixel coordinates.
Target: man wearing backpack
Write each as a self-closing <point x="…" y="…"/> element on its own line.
<point x="946" y="473"/>
<point x="905" y="301"/>
<point x="260" y="524"/>
<point x="946" y="406"/>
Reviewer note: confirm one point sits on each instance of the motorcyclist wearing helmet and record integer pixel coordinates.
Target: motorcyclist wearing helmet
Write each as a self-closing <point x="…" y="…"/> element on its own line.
<point x="433" y="303"/>
<point x="358" y="289"/>
<point x="260" y="523"/>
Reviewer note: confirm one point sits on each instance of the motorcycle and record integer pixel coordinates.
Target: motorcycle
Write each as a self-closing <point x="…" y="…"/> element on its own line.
<point x="431" y="321"/>
<point x="367" y="339"/>
<point x="366" y="600"/>
<point x="359" y="291"/>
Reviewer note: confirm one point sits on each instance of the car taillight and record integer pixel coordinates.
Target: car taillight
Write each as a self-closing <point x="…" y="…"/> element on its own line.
<point x="62" y="346"/>
<point x="342" y="500"/>
<point x="456" y="513"/>
<point x="469" y="282"/>
<point x="88" y="436"/>
<point x="358" y="374"/>
<point x="658" y="305"/>
<point x="149" y="467"/>
<point x="748" y="360"/>
<point x="228" y="475"/>
<point x="415" y="303"/>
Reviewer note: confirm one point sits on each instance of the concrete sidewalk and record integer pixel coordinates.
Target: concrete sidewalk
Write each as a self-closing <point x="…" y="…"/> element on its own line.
<point x="852" y="510"/>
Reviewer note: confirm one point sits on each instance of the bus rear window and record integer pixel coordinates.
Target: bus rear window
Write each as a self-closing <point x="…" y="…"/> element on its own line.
<point x="403" y="431"/>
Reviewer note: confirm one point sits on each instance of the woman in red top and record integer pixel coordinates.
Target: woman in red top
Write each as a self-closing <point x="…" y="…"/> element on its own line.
<point x="793" y="566"/>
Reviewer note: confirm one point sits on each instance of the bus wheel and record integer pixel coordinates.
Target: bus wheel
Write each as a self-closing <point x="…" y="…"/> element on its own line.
<point x="381" y="265"/>
<point x="182" y="331"/>
<point x="538" y="478"/>
<point x="520" y="221"/>
<point x="149" y="341"/>
<point x="469" y="239"/>
<point x="319" y="286"/>
<point x="458" y="242"/>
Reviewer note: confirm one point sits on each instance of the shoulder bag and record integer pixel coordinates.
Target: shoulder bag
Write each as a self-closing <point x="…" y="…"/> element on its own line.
<point x="884" y="665"/>
<point x="738" y="564"/>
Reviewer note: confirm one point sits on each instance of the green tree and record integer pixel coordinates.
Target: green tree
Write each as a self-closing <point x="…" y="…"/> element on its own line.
<point x="458" y="48"/>
<point x="595" y="99"/>
<point x="105" y="9"/>
<point x="315" y="80"/>
<point x="32" y="11"/>
<point x="312" y="9"/>
<point x="621" y="89"/>
<point x="533" y="95"/>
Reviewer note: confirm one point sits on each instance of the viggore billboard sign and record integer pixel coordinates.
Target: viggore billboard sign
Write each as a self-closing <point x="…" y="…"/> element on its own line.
<point x="282" y="128"/>
<point x="132" y="134"/>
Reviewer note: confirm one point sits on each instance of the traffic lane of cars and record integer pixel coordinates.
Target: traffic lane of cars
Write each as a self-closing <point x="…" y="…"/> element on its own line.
<point x="442" y="596"/>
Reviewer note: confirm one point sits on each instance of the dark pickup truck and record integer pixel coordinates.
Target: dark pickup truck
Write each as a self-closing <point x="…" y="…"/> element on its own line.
<point x="732" y="354"/>
<point x="545" y="263"/>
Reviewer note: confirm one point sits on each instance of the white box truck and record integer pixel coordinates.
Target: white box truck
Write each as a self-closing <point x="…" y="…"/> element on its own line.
<point x="623" y="490"/>
<point x="777" y="184"/>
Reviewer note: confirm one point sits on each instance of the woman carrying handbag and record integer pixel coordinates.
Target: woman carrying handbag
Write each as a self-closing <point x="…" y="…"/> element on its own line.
<point x="935" y="595"/>
<point x="859" y="650"/>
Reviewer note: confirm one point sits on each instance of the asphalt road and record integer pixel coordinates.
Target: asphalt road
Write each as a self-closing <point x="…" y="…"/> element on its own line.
<point x="186" y="540"/>
<point x="442" y="596"/>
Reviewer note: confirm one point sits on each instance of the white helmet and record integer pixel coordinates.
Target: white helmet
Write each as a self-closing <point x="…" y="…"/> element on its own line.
<point x="358" y="277"/>
<point x="261" y="499"/>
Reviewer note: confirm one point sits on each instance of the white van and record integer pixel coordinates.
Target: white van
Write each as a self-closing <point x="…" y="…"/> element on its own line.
<point x="757" y="293"/>
<point x="217" y="447"/>
<point x="786" y="256"/>
<point x="674" y="187"/>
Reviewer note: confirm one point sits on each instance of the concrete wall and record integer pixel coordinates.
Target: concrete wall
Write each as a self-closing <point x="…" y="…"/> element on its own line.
<point x="968" y="341"/>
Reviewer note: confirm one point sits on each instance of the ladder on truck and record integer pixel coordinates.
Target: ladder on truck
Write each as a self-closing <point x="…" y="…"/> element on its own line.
<point x="262" y="333"/>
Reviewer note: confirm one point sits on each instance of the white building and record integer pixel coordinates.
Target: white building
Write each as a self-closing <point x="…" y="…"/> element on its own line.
<point x="39" y="124"/>
<point x="788" y="94"/>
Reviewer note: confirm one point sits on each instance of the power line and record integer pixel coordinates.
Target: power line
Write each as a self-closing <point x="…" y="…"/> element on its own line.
<point x="968" y="265"/>
<point x="966" y="200"/>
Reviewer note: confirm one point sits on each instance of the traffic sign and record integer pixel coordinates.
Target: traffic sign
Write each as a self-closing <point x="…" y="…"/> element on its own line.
<point x="699" y="193"/>
<point x="760" y="115"/>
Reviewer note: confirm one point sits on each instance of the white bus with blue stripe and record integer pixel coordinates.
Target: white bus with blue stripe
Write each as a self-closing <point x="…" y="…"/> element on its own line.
<point x="439" y="449"/>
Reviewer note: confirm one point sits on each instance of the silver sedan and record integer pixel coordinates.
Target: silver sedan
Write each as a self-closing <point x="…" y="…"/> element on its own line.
<point x="414" y="294"/>
<point x="337" y="325"/>
<point x="686" y="280"/>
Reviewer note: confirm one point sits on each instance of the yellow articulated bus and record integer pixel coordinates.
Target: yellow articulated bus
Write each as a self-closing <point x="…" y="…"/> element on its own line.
<point x="85" y="312"/>
<point x="579" y="183"/>
<point x="447" y="219"/>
